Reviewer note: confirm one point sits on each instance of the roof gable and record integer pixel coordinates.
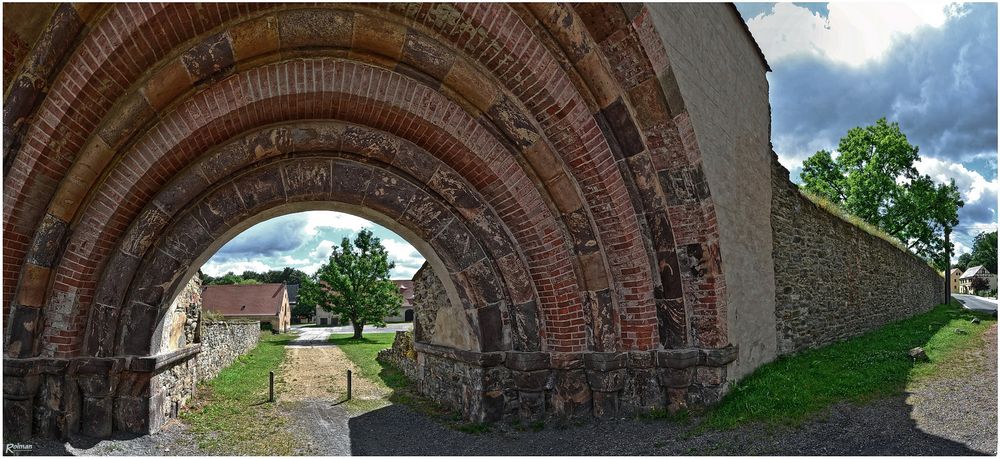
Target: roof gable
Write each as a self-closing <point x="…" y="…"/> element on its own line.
<point x="244" y="300"/>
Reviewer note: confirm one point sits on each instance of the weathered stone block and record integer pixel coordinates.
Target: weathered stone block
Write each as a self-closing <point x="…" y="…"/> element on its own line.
<point x="97" y="416"/>
<point x="605" y="405"/>
<point x="48" y="241"/>
<point x="116" y="278"/>
<point x="677" y="358"/>
<point x="532" y="406"/>
<point x="24" y="322"/>
<point x="719" y="357"/>
<point x="527" y="361"/>
<point x="604" y="361"/>
<point x="606" y="381"/>
<point x="675" y="377"/>
<point x="209" y="58"/>
<point x="571" y="395"/>
<point x="530" y="380"/>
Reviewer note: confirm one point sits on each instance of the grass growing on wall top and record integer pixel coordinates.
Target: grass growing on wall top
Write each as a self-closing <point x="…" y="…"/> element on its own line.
<point x="848" y="217"/>
<point x="232" y="415"/>
<point x="873" y="365"/>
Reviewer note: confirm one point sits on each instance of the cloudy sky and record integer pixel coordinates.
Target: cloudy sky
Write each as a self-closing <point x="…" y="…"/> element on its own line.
<point x="932" y="67"/>
<point x="303" y="241"/>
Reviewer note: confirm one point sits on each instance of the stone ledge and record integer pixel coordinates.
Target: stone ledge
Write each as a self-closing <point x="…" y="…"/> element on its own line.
<point x="483" y="359"/>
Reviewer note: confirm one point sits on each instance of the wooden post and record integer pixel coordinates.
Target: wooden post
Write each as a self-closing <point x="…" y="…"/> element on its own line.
<point x="348" y="384"/>
<point x="270" y="397"/>
<point x="947" y="266"/>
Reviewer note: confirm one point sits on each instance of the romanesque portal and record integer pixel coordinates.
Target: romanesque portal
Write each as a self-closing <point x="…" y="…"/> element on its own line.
<point x="591" y="183"/>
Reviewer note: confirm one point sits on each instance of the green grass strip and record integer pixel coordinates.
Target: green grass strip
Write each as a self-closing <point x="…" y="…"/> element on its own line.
<point x="232" y="415"/>
<point x="877" y="364"/>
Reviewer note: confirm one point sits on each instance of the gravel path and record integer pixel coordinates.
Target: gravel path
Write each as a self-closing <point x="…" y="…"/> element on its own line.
<point x="961" y="403"/>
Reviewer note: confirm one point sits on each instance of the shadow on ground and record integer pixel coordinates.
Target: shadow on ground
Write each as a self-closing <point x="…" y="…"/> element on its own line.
<point x="882" y="427"/>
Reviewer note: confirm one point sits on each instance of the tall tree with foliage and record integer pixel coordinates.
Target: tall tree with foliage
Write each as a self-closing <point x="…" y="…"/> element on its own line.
<point x="984" y="251"/>
<point x="874" y="178"/>
<point x="355" y="283"/>
<point x="307" y="300"/>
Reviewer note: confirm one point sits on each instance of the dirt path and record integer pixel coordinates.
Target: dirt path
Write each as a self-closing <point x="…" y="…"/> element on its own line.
<point x="319" y="372"/>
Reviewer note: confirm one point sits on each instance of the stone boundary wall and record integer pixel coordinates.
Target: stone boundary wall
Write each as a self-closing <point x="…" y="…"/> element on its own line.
<point x="222" y="342"/>
<point x="833" y="280"/>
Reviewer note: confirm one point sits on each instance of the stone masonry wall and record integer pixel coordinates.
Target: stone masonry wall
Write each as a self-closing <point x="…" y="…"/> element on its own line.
<point x="835" y="281"/>
<point x="221" y="344"/>
<point x="180" y="323"/>
<point x="401" y="355"/>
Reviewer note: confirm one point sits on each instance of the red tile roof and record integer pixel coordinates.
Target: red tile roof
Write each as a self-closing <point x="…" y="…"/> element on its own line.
<point x="243" y="300"/>
<point x="405" y="289"/>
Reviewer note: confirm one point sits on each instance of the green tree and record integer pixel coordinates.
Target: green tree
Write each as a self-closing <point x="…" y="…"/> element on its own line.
<point x="984" y="251"/>
<point x="874" y="178"/>
<point x="355" y="283"/>
<point x="978" y="285"/>
<point x="963" y="261"/>
<point x="308" y="299"/>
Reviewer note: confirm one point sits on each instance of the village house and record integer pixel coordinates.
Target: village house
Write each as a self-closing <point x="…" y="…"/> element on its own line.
<point x="953" y="277"/>
<point x="267" y="303"/>
<point x="327" y="318"/>
<point x="965" y="281"/>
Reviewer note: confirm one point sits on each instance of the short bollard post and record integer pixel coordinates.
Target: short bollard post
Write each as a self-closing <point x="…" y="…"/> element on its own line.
<point x="270" y="397"/>
<point x="348" y="384"/>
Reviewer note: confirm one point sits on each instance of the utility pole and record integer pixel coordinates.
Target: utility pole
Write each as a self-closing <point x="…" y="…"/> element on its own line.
<point x="947" y="265"/>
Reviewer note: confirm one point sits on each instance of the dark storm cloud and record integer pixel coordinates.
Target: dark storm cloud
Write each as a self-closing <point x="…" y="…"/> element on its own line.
<point x="938" y="83"/>
<point x="265" y="239"/>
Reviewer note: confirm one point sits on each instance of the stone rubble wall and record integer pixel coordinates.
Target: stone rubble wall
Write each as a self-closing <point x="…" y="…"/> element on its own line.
<point x="222" y="343"/>
<point x="833" y="280"/>
<point x="180" y="323"/>
<point x="401" y="355"/>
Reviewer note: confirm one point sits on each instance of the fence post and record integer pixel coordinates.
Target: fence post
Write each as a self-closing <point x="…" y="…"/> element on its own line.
<point x="270" y="397"/>
<point x="348" y="384"/>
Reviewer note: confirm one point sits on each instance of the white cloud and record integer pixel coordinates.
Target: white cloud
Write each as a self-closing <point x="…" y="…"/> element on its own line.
<point x="852" y="33"/>
<point x="973" y="186"/>
<point x="408" y="259"/>
<point x="336" y="220"/>
<point x="219" y="268"/>
<point x="322" y="250"/>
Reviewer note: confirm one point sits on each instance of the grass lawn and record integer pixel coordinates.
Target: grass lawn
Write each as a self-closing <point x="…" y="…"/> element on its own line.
<point x="877" y="364"/>
<point x="232" y="415"/>
<point x="363" y="352"/>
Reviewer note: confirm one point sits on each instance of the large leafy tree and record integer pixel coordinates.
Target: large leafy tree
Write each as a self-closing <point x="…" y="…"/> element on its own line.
<point x="355" y="283"/>
<point x="984" y="251"/>
<point x="307" y="301"/>
<point x="874" y="178"/>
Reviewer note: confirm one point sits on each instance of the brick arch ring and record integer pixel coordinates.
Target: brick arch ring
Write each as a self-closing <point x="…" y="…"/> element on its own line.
<point x="172" y="237"/>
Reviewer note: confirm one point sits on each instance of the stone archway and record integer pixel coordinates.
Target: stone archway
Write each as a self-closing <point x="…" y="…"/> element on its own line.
<point x="539" y="150"/>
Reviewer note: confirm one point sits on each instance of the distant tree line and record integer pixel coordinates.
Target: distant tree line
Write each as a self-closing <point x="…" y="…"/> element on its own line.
<point x="274" y="276"/>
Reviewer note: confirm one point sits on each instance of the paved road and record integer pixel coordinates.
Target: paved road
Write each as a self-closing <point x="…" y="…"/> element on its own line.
<point x="976" y="303"/>
<point x="349" y="329"/>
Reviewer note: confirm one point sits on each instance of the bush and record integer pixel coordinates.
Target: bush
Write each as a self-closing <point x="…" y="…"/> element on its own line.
<point x="266" y="326"/>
